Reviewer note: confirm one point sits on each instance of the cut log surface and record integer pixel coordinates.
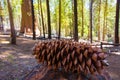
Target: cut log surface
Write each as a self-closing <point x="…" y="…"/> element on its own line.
<point x="42" y="72"/>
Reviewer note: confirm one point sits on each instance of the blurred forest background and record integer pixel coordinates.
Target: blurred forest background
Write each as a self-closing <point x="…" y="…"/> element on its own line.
<point x="61" y="15"/>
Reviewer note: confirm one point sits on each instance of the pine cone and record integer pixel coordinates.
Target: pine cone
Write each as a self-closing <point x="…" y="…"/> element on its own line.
<point x="70" y="56"/>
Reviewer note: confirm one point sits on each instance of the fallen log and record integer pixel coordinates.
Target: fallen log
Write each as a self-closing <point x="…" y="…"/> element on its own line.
<point x="42" y="72"/>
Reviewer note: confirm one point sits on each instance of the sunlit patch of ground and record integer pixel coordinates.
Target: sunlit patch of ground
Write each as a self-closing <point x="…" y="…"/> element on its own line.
<point x="4" y="42"/>
<point x="117" y="53"/>
<point x="15" y="60"/>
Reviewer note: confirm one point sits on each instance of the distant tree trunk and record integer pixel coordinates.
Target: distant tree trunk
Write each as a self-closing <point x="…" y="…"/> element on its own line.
<point x="91" y="3"/>
<point x="82" y="32"/>
<point x="26" y="20"/>
<point x="116" y="37"/>
<point x="59" y="35"/>
<point x="13" y="35"/>
<point x="72" y="22"/>
<point x="42" y="19"/>
<point x="1" y="18"/>
<point x="48" y="18"/>
<point x="1" y="22"/>
<point x="105" y="21"/>
<point x="33" y="20"/>
<point x="75" y="21"/>
<point x="99" y="20"/>
<point x="39" y="18"/>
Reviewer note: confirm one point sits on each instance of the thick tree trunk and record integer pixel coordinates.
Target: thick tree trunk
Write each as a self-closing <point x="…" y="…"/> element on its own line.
<point x="13" y="35"/>
<point x="99" y="20"/>
<point x="91" y="3"/>
<point x="75" y="21"/>
<point x="48" y="18"/>
<point x="59" y="35"/>
<point x="26" y="20"/>
<point x="33" y="20"/>
<point x="42" y="19"/>
<point x="82" y="32"/>
<point x="116" y="37"/>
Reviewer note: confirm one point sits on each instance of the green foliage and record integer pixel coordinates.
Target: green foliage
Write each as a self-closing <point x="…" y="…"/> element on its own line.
<point x="67" y="15"/>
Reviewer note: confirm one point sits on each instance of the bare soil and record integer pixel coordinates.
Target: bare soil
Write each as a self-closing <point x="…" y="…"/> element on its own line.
<point x="16" y="61"/>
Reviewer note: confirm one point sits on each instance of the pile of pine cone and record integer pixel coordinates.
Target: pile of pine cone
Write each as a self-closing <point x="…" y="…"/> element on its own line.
<point x="70" y="56"/>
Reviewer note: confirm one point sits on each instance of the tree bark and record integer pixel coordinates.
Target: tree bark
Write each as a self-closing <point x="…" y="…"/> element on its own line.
<point x="105" y="21"/>
<point x="59" y="35"/>
<point x="39" y="18"/>
<point x="48" y="18"/>
<point x="116" y="37"/>
<point x="42" y="19"/>
<point x="82" y="32"/>
<point x="33" y="20"/>
<point x="99" y="20"/>
<point x="26" y="20"/>
<point x="13" y="35"/>
<point x="75" y="21"/>
<point x="1" y="22"/>
<point x="91" y="3"/>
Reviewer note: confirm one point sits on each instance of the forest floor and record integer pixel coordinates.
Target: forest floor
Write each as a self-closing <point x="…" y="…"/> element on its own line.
<point x="16" y="61"/>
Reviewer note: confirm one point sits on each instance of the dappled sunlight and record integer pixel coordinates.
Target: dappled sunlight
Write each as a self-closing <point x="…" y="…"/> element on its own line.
<point x="116" y="53"/>
<point x="5" y="54"/>
<point x="25" y="56"/>
<point x="114" y="75"/>
<point x="4" y="42"/>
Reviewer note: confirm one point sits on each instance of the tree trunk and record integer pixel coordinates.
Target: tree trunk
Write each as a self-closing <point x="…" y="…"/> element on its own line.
<point x="105" y="21"/>
<point x="59" y="35"/>
<point x="72" y="24"/>
<point x="82" y="32"/>
<point x="39" y="18"/>
<point x="48" y="18"/>
<point x="42" y="19"/>
<point x="1" y="23"/>
<point x="91" y="3"/>
<point x="13" y="35"/>
<point x="75" y="21"/>
<point x="33" y="20"/>
<point x="99" y="20"/>
<point x="1" y="18"/>
<point x="116" y="37"/>
<point x="26" y="20"/>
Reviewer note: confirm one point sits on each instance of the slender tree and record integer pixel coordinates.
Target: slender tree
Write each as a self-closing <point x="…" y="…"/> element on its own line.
<point x="42" y="19"/>
<point x="91" y="3"/>
<point x="116" y="37"/>
<point x="33" y="20"/>
<point x="75" y="21"/>
<point x="13" y="35"/>
<point x="99" y="20"/>
<point x="39" y="18"/>
<point x="59" y="19"/>
<point x="105" y="21"/>
<point x="1" y="22"/>
<point x="48" y="18"/>
<point x="82" y="32"/>
<point x="1" y="18"/>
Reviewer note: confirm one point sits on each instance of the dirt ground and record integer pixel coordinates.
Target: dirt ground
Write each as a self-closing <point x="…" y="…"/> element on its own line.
<point x="16" y="61"/>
